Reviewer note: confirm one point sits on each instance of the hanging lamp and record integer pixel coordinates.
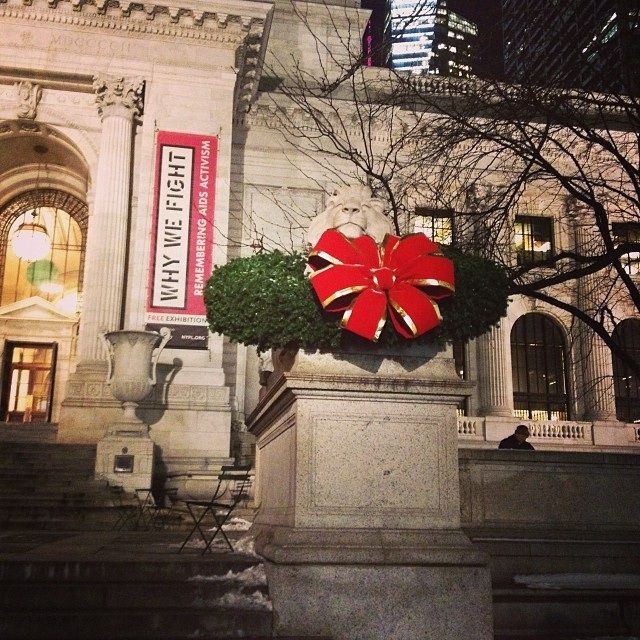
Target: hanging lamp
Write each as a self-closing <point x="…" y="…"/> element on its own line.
<point x="30" y="241"/>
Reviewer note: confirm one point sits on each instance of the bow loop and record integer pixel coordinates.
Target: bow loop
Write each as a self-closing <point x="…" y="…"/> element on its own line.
<point x="402" y="279"/>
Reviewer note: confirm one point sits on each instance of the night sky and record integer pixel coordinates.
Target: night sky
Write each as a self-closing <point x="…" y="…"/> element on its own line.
<point x="487" y="14"/>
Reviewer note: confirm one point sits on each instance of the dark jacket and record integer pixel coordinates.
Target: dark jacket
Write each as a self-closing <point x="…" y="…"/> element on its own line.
<point x="512" y="443"/>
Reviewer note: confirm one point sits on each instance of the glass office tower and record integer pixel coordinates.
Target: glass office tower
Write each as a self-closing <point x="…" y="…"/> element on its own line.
<point x="587" y="44"/>
<point x="424" y="36"/>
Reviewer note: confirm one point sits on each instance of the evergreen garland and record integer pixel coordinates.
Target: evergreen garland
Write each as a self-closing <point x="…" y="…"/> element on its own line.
<point x="267" y="301"/>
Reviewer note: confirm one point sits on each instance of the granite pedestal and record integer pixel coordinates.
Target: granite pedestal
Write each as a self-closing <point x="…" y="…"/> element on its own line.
<point x="357" y="484"/>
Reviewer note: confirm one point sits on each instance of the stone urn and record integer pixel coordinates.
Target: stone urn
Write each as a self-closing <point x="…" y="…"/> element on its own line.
<point x="132" y="368"/>
<point x="125" y="455"/>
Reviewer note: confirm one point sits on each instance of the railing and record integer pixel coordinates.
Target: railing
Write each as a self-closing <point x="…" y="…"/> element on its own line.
<point x="564" y="430"/>
<point x="469" y="426"/>
<point x="488" y="431"/>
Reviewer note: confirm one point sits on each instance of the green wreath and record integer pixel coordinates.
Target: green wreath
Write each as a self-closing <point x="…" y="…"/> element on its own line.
<point x="267" y="301"/>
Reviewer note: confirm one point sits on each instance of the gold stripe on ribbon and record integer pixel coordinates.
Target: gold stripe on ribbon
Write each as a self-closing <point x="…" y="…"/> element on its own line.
<point x="381" y="324"/>
<point x="313" y="274"/>
<point x="325" y="256"/>
<point x="343" y="292"/>
<point x="405" y="317"/>
<point x="431" y="282"/>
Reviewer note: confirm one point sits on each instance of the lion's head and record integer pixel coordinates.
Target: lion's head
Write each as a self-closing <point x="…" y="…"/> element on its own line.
<point x="353" y="211"/>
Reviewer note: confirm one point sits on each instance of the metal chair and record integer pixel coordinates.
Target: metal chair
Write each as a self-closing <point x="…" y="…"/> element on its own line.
<point x="155" y="511"/>
<point x="127" y="513"/>
<point x="231" y="489"/>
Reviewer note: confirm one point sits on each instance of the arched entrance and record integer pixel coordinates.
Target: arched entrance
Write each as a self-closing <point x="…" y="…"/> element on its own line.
<point x="43" y="228"/>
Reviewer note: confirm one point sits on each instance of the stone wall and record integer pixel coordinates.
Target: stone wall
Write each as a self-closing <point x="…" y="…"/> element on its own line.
<point x="549" y="491"/>
<point x="561" y="532"/>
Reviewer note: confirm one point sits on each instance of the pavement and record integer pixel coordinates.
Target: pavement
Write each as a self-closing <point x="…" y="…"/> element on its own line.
<point x="148" y="546"/>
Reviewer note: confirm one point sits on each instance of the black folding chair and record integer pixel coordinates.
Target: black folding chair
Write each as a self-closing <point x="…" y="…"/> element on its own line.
<point x="127" y="513"/>
<point x="155" y="510"/>
<point x="233" y="483"/>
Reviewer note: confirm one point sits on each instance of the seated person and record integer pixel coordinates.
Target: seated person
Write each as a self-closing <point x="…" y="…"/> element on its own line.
<point x="518" y="439"/>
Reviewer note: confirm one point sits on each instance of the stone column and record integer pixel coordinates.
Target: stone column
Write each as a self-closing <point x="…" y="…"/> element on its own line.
<point x="597" y="369"/>
<point x="119" y="102"/>
<point x="494" y="373"/>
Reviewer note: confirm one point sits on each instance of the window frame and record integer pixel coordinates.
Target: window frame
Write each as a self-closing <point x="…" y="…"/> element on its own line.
<point x="37" y="198"/>
<point x="533" y="401"/>
<point x="436" y="214"/>
<point x="621" y="232"/>
<point x="530" y="254"/>
<point x="628" y="403"/>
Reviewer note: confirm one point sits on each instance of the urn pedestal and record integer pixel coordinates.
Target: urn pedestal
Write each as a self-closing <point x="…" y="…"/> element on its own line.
<point x="357" y="482"/>
<point x="125" y="455"/>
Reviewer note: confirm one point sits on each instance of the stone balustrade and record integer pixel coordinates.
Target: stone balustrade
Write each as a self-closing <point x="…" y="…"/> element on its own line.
<point x="550" y="434"/>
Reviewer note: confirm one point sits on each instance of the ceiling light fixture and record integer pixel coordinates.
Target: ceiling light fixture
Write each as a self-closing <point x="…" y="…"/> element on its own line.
<point x="30" y="241"/>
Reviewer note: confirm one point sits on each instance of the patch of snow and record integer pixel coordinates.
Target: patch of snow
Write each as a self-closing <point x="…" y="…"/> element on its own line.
<point x="246" y="545"/>
<point x="254" y="576"/>
<point x="579" y="581"/>
<point x="237" y="524"/>
<point x="237" y="600"/>
<point x="234" y="524"/>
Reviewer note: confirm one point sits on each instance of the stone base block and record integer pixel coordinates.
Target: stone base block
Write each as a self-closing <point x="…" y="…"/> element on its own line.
<point x="364" y="602"/>
<point x="112" y="461"/>
<point x="383" y="584"/>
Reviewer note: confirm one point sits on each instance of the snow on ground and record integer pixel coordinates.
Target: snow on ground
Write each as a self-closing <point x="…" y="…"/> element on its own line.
<point x="237" y="600"/>
<point x="254" y="576"/>
<point x="235" y="524"/>
<point x="244" y="545"/>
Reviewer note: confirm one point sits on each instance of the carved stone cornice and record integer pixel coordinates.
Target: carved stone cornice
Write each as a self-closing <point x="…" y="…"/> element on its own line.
<point x="118" y="95"/>
<point x="229" y="23"/>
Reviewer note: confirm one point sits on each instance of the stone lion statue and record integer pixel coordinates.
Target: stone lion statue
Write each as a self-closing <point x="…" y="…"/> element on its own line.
<point x="353" y="211"/>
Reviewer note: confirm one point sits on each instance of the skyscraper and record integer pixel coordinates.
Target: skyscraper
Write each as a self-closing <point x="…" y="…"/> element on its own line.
<point x="588" y="44"/>
<point x="424" y="36"/>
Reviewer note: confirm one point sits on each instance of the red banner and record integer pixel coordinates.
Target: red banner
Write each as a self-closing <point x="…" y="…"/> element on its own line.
<point x="182" y="232"/>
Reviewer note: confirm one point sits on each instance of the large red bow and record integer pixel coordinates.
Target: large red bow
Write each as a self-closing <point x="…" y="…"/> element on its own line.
<point x="403" y="276"/>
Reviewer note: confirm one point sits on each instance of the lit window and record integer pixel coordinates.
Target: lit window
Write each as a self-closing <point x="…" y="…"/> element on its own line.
<point x="436" y="225"/>
<point x="538" y="369"/>
<point x="533" y="239"/>
<point x="627" y="232"/>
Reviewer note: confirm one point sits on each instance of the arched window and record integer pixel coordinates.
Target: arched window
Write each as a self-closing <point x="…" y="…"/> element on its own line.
<point x="57" y="276"/>
<point x="627" y="383"/>
<point x="538" y="369"/>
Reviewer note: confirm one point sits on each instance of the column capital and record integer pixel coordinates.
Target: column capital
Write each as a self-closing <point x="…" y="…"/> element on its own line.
<point x="117" y="95"/>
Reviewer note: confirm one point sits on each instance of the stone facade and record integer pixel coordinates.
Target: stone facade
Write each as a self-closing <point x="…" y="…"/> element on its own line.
<point x="80" y="114"/>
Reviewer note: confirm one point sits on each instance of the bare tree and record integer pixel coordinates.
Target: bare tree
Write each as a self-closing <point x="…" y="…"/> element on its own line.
<point x="489" y="152"/>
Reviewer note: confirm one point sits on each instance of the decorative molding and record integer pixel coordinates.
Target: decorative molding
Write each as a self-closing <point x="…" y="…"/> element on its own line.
<point x="29" y="95"/>
<point x="118" y="92"/>
<point x="146" y="18"/>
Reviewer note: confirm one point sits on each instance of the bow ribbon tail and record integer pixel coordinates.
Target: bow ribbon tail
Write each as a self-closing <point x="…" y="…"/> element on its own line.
<point x="335" y="285"/>
<point x="412" y="311"/>
<point x="366" y="315"/>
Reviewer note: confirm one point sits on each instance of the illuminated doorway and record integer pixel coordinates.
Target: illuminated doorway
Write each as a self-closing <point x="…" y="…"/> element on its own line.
<point x="27" y="389"/>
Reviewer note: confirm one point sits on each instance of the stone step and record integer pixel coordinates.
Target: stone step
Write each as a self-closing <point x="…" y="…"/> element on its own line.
<point x="41" y="498"/>
<point x="46" y="447"/>
<point x="132" y="597"/>
<point x="102" y="595"/>
<point x="128" y="624"/>
<point x="41" y="432"/>
<point x="177" y="568"/>
<point x="563" y="614"/>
